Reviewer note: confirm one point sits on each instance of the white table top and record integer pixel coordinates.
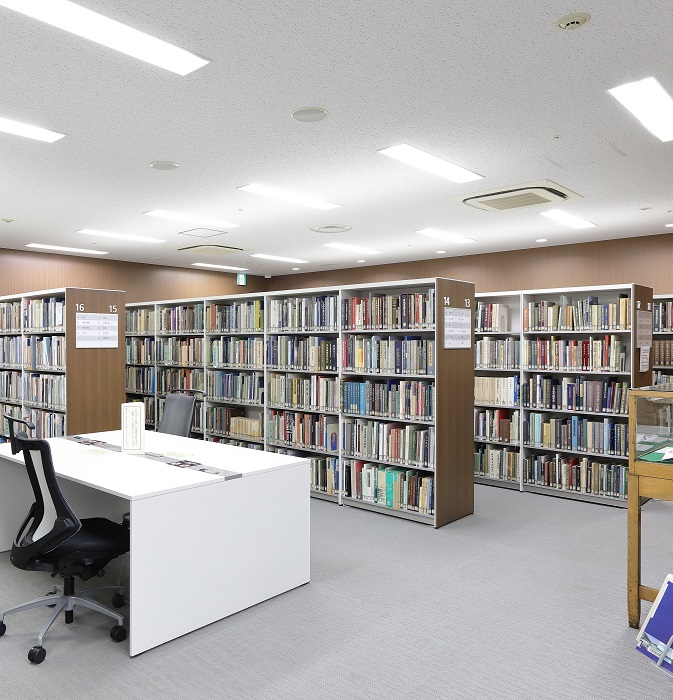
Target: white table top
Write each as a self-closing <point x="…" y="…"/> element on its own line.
<point x="135" y="477"/>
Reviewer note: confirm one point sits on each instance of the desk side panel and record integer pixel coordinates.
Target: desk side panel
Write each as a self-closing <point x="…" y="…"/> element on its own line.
<point x="202" y="554"/>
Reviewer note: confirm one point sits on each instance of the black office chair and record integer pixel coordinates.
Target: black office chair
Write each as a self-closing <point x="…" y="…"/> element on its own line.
<point x="53" y="539"/>
<point x="179" y="412"/>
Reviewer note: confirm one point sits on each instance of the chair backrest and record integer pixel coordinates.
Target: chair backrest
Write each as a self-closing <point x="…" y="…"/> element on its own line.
<point x="50" y="520"/>
<point x="178" y="414"/>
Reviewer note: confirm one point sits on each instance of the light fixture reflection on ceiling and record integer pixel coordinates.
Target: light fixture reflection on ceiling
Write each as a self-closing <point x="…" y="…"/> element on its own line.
<point x="650" y="104"/>
<point x="279" y="258"/>
<point x="445" y="236"/>
<point x="288" y="196"/>
<point x="352" y="248"/>
<point x="120" y="236"/>
<point x="189" y="218"/>
<point x="562" y="217"/>
<point x="429" y="163"/>
<point x="440" y="252"/>
<point x="669" y="225"/>
<point x="541" y="240"/>
<point x="221" y="267"/>
<point x="9" y="126"/>
<point x="44" y="246"/>
<point x="164" y="165"/>
<point x="108" y="32"/>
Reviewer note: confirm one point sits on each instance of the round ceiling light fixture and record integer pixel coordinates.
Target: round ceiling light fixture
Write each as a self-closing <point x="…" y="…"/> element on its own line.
<point x="573" y="21"/>
<point x="163" y="165"/>
<point x="309" y="114"/>
<point x="332" y="228"/>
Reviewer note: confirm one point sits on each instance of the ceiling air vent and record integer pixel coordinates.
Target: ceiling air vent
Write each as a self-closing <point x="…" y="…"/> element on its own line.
<point x="210" y="249"/>
<point x="520" y="196"/>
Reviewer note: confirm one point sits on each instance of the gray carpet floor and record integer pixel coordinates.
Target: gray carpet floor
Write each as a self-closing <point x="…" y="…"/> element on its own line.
<point x="524" y="599"/>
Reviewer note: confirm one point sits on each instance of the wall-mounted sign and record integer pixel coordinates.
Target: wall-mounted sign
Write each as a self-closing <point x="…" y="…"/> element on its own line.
<point x="241" y="279"/>
<point x="96" y="330"/>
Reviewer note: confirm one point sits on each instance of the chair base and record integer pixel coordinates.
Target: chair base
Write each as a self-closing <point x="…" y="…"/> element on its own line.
<point x="64" y="600"/>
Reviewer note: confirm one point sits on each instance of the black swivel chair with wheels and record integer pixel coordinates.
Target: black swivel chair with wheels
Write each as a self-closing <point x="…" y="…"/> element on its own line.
<point x="179" y="412"/>
<point x="53" y="539"/>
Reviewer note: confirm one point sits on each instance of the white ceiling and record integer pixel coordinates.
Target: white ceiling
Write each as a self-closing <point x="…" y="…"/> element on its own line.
<point x="493" y="86"/>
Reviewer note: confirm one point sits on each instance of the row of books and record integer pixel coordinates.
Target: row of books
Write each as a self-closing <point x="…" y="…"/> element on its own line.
<point x="47" y="424"/>
<point x="232" y="421"/>
<point x="235" y="443"/>
<point x="586" y="314"/>
<point x="315" y="393"/>
<point x="45" y="390"/>
<point x="171" y="378"/>
<point x="246" y="387"/>
<point x="140" y="320"/>
<point x="575" y="433"/>
<point x="325" y="475"/>
<point x="236" y="317"/>
<point x="11" y="350"/>
<point x="140" y="351"/>
<point x="408" y="399"/>
<point x="313" y="353"/>
<point x="501" y="391"/>
<point x="187" y="318"/>
<point x="180" y="351"/>
<point x="312" y="313"/>
<point x="231" y="351"/>
<point x="11" y="385"/>
<point x="388" y="354"/>
<point x="389" y="311"/>
<point x="604" y="354"/>
<point x="309" y="431"/>
<point x="491" y="318"/>
<point x="36" y="352"/>
<point x="580" y="474"/>
<point x="399" y="489"/>
<point x="10" y="316"/>
<point x="496" y="462"/>
<point x="603" y="395"/>
<point x="44" y="314"/>
<point x="662" y="316"/>
<point x="498" y="424"/>
<point x="409" y="444"/>
<point x="141" y="379"/>
<point x="662" y="353"/>
<point x="150" y="407"/>
<point x="497" y="353"/>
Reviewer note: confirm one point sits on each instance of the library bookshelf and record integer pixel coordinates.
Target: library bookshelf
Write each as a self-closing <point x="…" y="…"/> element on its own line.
<point x="348" y="377"/>
<point x="662" y="345"/>
<point x="62" y="359"/>
<point x="578" y="357"/>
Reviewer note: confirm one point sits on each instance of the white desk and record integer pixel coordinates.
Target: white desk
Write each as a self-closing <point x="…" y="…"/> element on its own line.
<point x="203" y="546"/>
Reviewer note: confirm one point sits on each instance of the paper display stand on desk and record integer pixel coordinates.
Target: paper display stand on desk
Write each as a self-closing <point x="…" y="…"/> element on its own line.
<point x="133" y="427"/>
<point x="656" y="635"/>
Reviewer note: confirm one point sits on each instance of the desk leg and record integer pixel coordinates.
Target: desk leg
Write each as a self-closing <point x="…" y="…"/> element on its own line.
<point x="633" y="553"/>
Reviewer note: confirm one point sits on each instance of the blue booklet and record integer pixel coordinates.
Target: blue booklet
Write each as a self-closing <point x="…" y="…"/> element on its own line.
<point x="656" y="635"/>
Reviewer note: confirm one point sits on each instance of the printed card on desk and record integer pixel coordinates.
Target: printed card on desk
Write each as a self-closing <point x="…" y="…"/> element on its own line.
<point x="133" y="427"/>
<point x="656" y="635"/>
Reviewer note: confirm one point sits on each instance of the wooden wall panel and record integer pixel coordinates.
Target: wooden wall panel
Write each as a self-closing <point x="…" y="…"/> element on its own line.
<point x="645" y="260"/>
<point x="24" y="271"/>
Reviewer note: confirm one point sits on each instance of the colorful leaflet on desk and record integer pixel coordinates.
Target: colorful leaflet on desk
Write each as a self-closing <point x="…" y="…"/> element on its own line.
<point x="181" y="463"/>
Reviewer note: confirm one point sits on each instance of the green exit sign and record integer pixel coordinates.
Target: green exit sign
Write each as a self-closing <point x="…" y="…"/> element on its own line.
<point x="241" y="279"/>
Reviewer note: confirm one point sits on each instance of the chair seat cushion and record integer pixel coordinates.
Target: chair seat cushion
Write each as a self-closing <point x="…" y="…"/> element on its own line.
<point x="96" y="536"/>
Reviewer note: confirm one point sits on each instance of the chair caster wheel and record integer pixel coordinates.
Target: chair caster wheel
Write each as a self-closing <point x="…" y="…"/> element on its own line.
<point x="118" y="633"/>
<point x="3" y="628"/>
<point x="37" y="655"/>
<point x="118" y="600"/>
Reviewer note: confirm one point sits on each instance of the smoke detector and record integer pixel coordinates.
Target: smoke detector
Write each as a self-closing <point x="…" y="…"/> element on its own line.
<point x="519" y="196"/>
<point x="573" y="21"/>
<point x="332" y="228"/>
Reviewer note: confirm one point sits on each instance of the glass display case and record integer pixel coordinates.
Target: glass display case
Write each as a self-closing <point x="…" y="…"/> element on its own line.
<point x="650" y="476"/>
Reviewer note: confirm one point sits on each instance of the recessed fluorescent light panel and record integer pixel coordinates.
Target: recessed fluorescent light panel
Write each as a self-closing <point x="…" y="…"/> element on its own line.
<point x="650" y="104"/>
<point x="44" y="246"/>
<point x="108" y="32"/>
<point x="120" y="236"/>
<point x="287" y="196"/>
<point x="277" y="257"/>
<point x="190" y="218"/>
<point x="445" y="236"/>
<point x="352" y="248"/>
<point x="563" y="217"/>
<point x="432" y="164"/>
<point x="9" y="126"/>
<point x="221" y="267"/>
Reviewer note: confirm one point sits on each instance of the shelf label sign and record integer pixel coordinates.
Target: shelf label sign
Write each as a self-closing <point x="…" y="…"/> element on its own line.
<point x="643" y="329"/>
<point x="457" y="328"/>
<point x="241" y="279"/>
<point x="96" y="330"/>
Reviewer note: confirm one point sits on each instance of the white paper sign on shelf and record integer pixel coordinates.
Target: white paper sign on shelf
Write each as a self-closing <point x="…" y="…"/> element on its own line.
<point x="133" y="427"/>
<point x="457" y="328"/>
<point x="96" y="330"/>
<point x="643" y="329"/>
<point x="644" y="359"/>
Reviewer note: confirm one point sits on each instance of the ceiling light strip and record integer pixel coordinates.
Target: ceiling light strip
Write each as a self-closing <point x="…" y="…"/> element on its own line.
<point x="9" y="126"/>
<point x="650" y="104"/>
<point x="120" y="236"/>
<point x="432" y="164"/>
<point x="288" y="196"/>
<point x="190" y="218"/>
<point x="44" y="246"/>
<point x="562" y="217"/>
